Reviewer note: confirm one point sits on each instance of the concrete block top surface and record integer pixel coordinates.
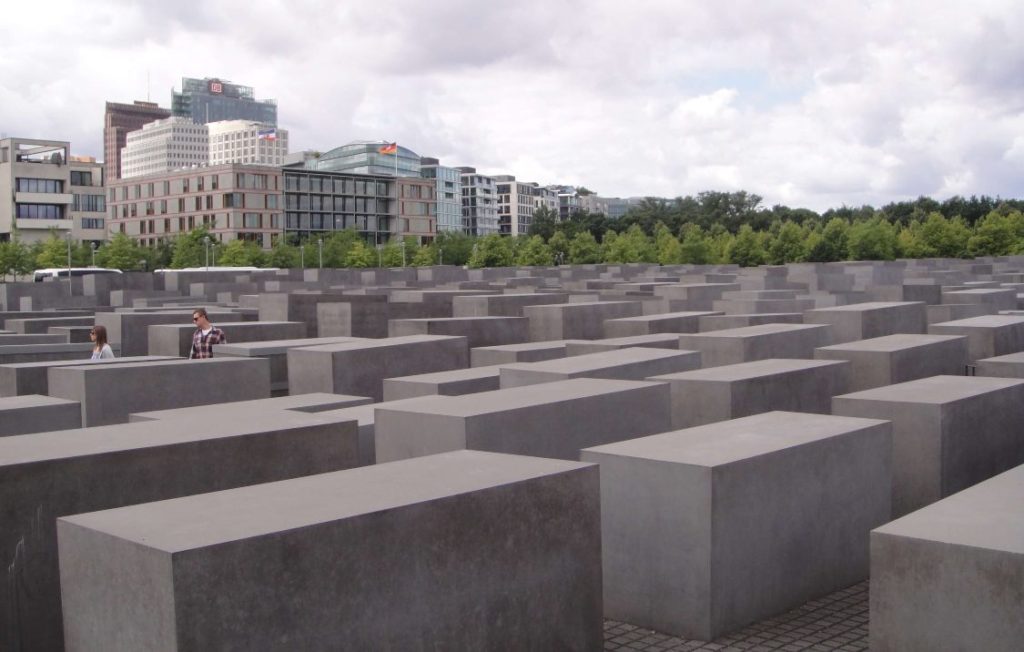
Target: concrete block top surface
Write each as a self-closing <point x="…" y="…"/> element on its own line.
<point x="987" y="515"/>
<point x="890" y="343"/>
<point x="490" y="371"/>
<point x="864" y="307"/>
<point x="1009" y="358"/>
<point x="515" y="398"/>
<point x="602" y="360"/>
<point x="158" y="361"/>
<point x="272" y="347"/>
<point x="382" y="342"/>
<point x="475" y="319"/>
<point x="756" y="331"/>
<point x="78" y="363"/>
<point x="97" y="440"/>
<point x="309" y="403"/>
<point x="726" y="442"/>
<point x="936" y="390"/>
<point x="662" y="316"/>
<point x="634" y="340"/>
<point x="32" y="401"/>
<point x="746" y="370"/>
<point x="983" y="321"/>
<point x="533" y="346"/>
<point x="236" y="514"/>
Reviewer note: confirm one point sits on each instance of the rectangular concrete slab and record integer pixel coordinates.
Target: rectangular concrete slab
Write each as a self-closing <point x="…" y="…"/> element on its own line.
<point x="474" y="549"/>
<point x="895" y="359"/>
<point x="707" y="529"/>
<point x="550" y="420"/>
<point x="987" y="336"/>
<point x="670" y="322"/>
<point x="20" y="378"/>
<point x="862" y="321"/>
<point x="305" y="403"/>
<point x="736" y="345"/>
<point x="176" y="339"/>
<point x="733" y="391"/>
<point x="634" y="363"/>
<point x="949" y="576"/>
<point x="583" y="321"/>
<point x="478" y="331"/>
<point x="486" y="356"/>
<point x="47" y="475"/>
<point x="444" y="383"/>
<point x="949" y="432"/>
<point x="20" y="415"/>
<point x="654" y="340"/>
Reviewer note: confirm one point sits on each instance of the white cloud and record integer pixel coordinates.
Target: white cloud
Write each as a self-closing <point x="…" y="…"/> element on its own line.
<point x="811" y="105"/>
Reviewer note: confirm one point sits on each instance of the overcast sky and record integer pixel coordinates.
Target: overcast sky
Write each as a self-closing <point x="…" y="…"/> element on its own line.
<point x="809" y="104"/>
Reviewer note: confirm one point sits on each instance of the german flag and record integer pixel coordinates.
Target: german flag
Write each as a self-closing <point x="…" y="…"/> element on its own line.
<point x="388" y="148"/>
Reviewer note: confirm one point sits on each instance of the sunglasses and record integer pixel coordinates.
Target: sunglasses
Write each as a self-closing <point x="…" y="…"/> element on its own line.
<point x="92" y="332"/>
<point x="195" y="319"/>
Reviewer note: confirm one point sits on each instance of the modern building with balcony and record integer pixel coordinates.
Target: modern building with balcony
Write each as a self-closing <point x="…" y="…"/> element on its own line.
<point x="120" y="119"/>
<point x="88" y="200"/>
<point x="244" y="141"/>
<point x="234" y="201"/>
<point x="35" y="189"/>
<point x="212" y="100"/>
<point x="515" y="205"/>
<point x="165" y="145"/>
<point x="375" y="158"/>
<point x="448" y="189"/>
<point x="479" y="203"/>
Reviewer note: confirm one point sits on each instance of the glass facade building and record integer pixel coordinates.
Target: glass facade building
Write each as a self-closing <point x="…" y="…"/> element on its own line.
<point x="365" y="157"/>
<point x="320" y="202"/>
<point x="213" y="100"/>
<point x="449" y="193"/>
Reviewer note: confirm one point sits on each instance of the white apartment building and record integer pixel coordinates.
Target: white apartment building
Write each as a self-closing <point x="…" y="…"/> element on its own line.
<point x="165" y="145"/>
<point x="515" y="205"/>
<point x="245" y="141"/>
<point x="479" y="203"/>
<point x="546" y="197"/>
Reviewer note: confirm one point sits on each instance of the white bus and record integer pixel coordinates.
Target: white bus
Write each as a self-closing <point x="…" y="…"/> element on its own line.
<point x="62" y="272"/>
<point x="212" y="268"/>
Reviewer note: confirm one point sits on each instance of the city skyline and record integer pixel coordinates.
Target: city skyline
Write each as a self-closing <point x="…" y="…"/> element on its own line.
<point x="806" y="106"/>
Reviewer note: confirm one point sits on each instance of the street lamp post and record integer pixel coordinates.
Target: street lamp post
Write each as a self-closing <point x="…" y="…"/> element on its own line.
<point x="403" y="252"/>
<point x="440" y="256"/>
<point x="69" y="263"/>
<point x="320" y="251"/>
<point x="94" y="245"/>
<point x="302" y="255"/>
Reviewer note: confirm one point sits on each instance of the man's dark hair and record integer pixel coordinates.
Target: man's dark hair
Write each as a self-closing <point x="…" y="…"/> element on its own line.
<point x="201" y="312"/>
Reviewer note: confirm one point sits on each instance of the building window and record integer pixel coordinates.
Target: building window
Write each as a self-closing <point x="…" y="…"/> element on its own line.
<point x="40" y="185"/>
<point x="79" y="178"/>
<point x="92" y="222"/>
<point x="40" y="211"/>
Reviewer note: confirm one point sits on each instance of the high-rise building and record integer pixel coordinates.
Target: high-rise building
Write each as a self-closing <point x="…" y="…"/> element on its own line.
<point x="118" y="120"/>
<point x="449" y="193"/>
<point x="244" y="141"/>
<point x="317" y="203"/>
<point x="212" y="100"/>
<point x="44" y="190"/>
<point x="165" y="145"/>
<point x="234" y="201"/>
<point x="515" y="205"/>
<point x="479" y="203"/>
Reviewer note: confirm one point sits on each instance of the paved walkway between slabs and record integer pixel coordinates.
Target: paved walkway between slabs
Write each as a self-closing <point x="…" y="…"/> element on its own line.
<point x="838" y="621"/>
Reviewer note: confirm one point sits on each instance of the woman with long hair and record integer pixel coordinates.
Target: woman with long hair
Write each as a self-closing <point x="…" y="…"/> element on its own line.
<point x="100" y="349"/>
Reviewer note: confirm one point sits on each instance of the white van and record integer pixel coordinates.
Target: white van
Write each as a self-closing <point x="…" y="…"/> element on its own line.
<point x="62" y="272"/>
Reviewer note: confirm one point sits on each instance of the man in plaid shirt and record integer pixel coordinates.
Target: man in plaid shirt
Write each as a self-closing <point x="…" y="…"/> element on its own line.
<point x="205" y="337"/>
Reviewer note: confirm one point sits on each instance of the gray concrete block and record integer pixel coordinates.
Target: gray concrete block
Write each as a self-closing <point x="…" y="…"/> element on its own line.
<point x="108" y="393"/>
<point x="475" y="550"/>
<point x="550" y="420"/>
<point x="486" y="356"/>
<point x="20" y="339"/>
<point x="633" y="363"/>
<point x="652" y="341"/>
<point x="295" y="306"/>
<point x="305" y="403"/>
<point x="862" y="321"/>
<point x="708" y="529"/>
<point x="736" y="345"/>
<point x="21" y="378"/>
<point x="949" y="576"/>
<point x="694" y="296"/>
<point x="987" y="336"/>
<point x="71" y="333"/>
<point x="954" y="311"/>
<point x="949" y="432"/>
<point x="671" y="322"/>
<point x="739" y="390"/>
<point x="359" y="368"/>
<point x="276" y="351"/>
<point x="994" y="299"/>
<point x="40" y="325"/>
<point x="21" y="415"/>
<point x="52" y="474"/>
<point x="478" y="331"/>
<point x="176" y="339"/>
<point x="503" y="305"/>
<point x="42" y="352"/>
<point x="130" y="329"/>
<point x="1003" y="366"/>
<point x="722" y="322"/>
<point x="582" y="321"/>
<point x="443" y="383"/>
<point x="899" y="358"/>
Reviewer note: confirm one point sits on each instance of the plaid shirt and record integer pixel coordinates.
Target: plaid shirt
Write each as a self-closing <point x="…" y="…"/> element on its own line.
<point x="202" y="347"/>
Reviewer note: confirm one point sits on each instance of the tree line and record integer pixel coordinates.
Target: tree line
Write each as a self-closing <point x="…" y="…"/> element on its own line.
<point x="711" y="228"/>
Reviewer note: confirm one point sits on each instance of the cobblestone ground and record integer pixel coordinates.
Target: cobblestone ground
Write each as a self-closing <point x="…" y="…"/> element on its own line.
<point x="836" y="622"/>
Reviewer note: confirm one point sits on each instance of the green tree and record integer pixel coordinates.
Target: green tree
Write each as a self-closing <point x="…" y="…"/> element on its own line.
<point x="633" y="246"/>
<point x="746" y="250"/>
<point x="391" y="253"/>
<point x="54" y="252"/>
<point x="335" y="248"/>
<point x="669" y="251"/>
<point x="424" y="256"/>
<point x="120" y="252"/>
<point x="283" y="255"/>
<point x="694" y="247"/>
<point x="235" y="254"/>
<point x="936" y="236"/>
<point x="874" y="239"/>
<point x="993" y="236"/>
<point x="190" y="248"/>
<point x="584" y="250"/>
<point x="543" y="222"/>
<point x="788" y="245"/>
<point x="492" y="251"/>
<point x="454" y="247"/>
<point x="559" y="244"/>
<point x="359" y="255"/>
<point x="534" y="253"/>
<point x="833" y="243"/>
